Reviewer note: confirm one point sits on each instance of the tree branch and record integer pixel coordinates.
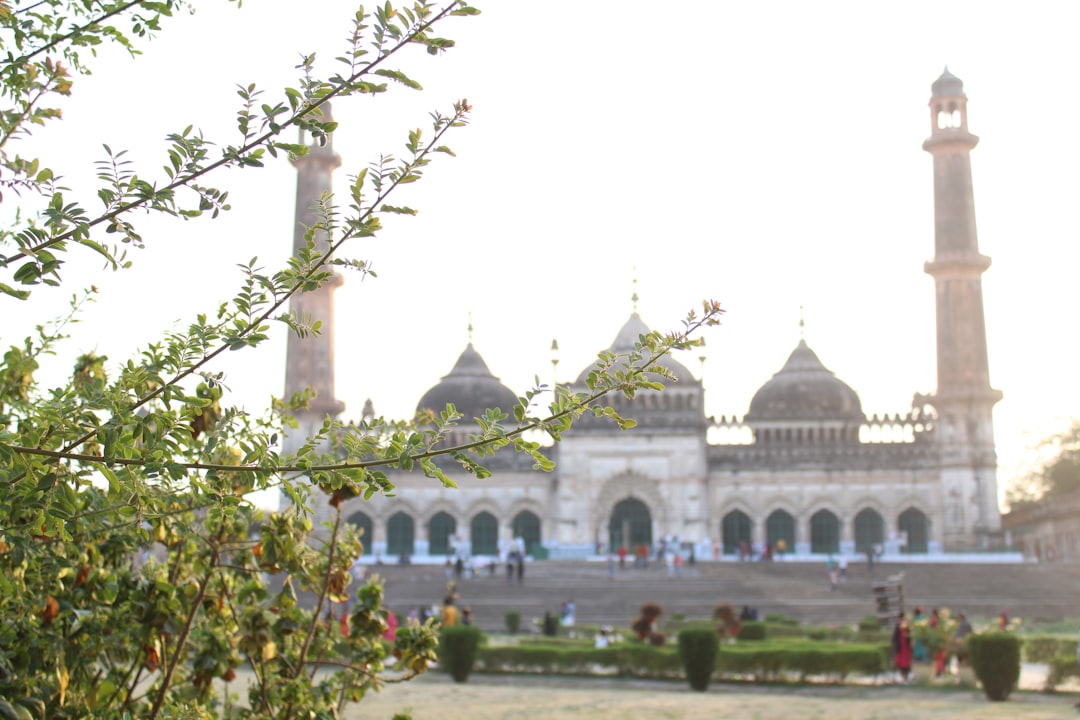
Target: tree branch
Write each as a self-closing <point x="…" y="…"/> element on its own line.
<point x="228" y="159"/>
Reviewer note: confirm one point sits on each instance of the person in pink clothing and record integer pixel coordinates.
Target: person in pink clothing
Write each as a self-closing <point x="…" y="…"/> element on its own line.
<point x="391" y="626"/>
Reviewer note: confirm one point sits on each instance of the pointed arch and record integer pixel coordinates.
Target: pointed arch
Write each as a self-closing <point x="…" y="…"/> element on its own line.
<point x="526" y="525"/>
<point x="362" y="521"/>
<point x="735" y="529"/>
<point x="869" y="529"/>
<point x="400" y="534"/>
<point x="629" y="485"/>
<point x="915" y="523"/>
<point x="780" y="524"/>
<point x="824" y="532"/>
<point x="484" y="534"/>
<point x="630" y="524"/>
<point x="441" y="527"/>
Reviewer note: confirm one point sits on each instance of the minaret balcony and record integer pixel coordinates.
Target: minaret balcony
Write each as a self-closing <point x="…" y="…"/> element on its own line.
<point x="957" y="265"/>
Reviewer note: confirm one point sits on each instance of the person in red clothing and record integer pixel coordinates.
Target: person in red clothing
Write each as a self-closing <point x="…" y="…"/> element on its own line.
<point x="902" y="647"/>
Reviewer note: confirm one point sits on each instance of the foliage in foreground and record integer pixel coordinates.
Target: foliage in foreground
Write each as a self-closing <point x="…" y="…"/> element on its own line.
<point x="134" y="571"/>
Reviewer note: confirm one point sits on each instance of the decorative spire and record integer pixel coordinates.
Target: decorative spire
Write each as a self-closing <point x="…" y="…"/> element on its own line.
<point x="634" y="296"/>
<point x="470" y="327"/>
<point x="802" y="324"/>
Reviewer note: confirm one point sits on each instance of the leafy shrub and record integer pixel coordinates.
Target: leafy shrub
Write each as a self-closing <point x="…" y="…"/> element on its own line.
<point x="775" y="631"/>
<point x="1044" y="648"/>
<point x="778" y="619"/>
<point x="869" y="623"/>
<point x="995" y="658"/>
<point x="751" y="630"/>
<point x="458" y="647"/>
<point x="513" y="621"/>
<point x="697" y="651"/>
<point x="1059" y="668"/>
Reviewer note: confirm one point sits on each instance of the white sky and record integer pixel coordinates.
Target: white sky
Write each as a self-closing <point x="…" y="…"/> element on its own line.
<point x="767" y="155"/>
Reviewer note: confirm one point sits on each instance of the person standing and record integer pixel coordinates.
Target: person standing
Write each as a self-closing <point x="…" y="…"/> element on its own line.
<point x="449" y="612"/>
<point x="902" y="647"/>
<point x="963" y="629"/>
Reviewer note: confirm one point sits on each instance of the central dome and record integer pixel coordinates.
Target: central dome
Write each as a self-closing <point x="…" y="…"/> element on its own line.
<point x="628" y="336"/>
<point x="471" y="388"/>
<point x="804" y="389"/>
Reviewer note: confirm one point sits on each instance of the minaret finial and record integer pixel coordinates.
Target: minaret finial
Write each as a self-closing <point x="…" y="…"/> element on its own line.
<point x="470" y="327"/>
<point x="634" y="296"/>
<point x="802" y="324"/>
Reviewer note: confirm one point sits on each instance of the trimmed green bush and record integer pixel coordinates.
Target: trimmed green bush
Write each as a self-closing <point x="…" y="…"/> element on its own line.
<point x="995" y="658"/>
<point x="697" y="651"/>
<point x="751" y="630"/>
<point x="457" y="651"/>
<point x="762" y="660"/>
<point x="778" y="619"/>
<point x="1059" y="668"/>
<point x="1044" y="648"/>
<point x="513" y="621"/>
<point x="869" y="624"/>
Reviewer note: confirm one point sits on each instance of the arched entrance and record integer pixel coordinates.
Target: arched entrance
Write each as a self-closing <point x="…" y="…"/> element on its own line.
<point x="869" y="530"/>
<point x="915" y="523"/>
<point x="440" y="528"/>
<point x="631" y="525"/>
<point x="363" y="522"/>
<point x="824" y="532"/>
<point x="780" y="525"/>
<point x="526" y="525"/>
<point x="400" y="534"/>
<point x="735" y="529"/>
<point x="484" y="534"/>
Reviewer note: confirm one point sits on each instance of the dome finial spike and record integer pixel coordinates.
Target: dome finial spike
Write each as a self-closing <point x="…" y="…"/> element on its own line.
<point x="802" y="324"/>
<point x="634" y="295"/>
<point x="470" y="327"/>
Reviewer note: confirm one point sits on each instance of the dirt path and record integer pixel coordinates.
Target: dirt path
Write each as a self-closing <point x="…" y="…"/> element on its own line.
<point x="435" y="697"/>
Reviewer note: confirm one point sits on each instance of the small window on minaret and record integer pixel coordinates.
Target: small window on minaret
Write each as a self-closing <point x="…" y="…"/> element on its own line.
<point x="948" y="118"/>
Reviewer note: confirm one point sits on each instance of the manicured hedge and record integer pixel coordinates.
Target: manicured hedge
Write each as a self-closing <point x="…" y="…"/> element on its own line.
<point x="767" y="660"/>
<point x="995" y="658"/>
<point x="761" y="660"/>
<point x="697" y="650"/>
<point x="751" y="630"/>
<point x="628" y="659"/>
<point x="1044" y="648"/>
<point x="1059" y="668"/>
<point x="458" y="646"/>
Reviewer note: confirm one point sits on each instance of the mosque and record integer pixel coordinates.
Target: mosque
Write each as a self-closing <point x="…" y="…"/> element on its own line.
<point x="805" y="469"/>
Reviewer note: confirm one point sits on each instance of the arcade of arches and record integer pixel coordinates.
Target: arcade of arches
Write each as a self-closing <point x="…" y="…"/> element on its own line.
<point x="441" y="532"/>
<point x="824" y="531"/>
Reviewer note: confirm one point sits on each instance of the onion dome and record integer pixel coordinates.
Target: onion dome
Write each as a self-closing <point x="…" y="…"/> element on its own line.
<point x="471" y="388"/>
<point x="804" y="389"/>
<point x="948" y="85"/>
<point x="628" y="336"/>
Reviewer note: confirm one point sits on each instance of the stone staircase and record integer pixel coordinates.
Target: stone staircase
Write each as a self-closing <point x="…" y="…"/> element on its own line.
<point x="799" y="590"/>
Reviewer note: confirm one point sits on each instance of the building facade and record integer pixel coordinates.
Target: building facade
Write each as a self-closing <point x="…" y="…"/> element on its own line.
<point x="805" y="465"/>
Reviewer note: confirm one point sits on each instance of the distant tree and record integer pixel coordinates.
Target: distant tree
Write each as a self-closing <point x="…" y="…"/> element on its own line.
<point x="1057" y="472"/>
<point x="135" y="573"/>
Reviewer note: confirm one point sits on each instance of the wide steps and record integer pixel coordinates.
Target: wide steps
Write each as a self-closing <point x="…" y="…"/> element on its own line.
<point x="799" y="590"/>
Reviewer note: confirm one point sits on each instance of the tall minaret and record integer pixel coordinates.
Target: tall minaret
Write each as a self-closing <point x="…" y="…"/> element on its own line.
<point x="964" y="399"/>
<point x="310" y="360"/>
